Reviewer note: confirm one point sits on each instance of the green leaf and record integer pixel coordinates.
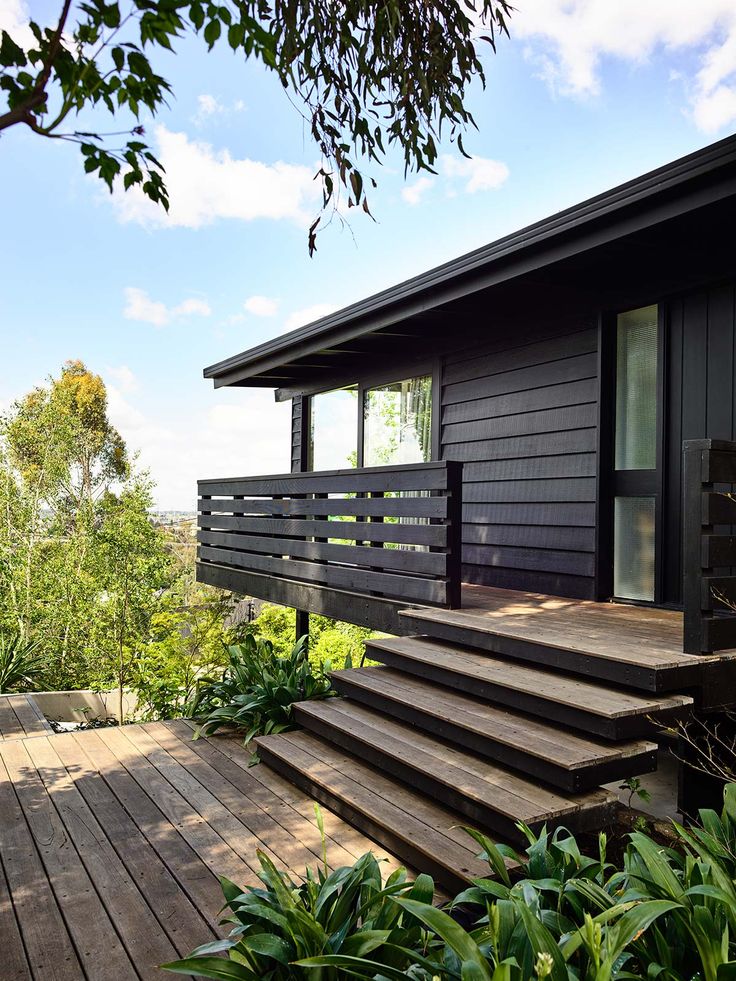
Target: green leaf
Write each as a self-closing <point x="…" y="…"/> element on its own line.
<point x="212" y="32"/>
<point x="448" y="930"/>
<point x="211" y="967"/>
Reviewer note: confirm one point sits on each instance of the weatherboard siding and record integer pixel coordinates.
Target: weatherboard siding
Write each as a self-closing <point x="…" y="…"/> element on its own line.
<point x="522" y="419"/>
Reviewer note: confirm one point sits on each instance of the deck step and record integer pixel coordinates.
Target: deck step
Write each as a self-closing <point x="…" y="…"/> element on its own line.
<point x="562" y="699"/>
<point x="491" y="797"/>
<point x="585" y="642"/>
<point x="562" y="758"/>
<point x="420" y="832"/>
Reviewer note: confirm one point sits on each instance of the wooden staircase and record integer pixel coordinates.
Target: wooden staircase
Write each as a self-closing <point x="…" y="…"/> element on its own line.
<point x="467" y="725"/>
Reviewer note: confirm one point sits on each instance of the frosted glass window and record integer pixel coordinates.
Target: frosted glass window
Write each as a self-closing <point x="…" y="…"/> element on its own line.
<point x="335" y="429"/>
<point x="398" y="423"/>
<point x="636" y="390"/>
<point x="633" y="548"/>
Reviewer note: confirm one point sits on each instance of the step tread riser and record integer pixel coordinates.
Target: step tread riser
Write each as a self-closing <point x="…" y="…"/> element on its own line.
<point x="622" y="727"/>
<point x="571" y="780"/>
<point x="588" y="665"/>
<point x="474" y="810"/>
<point x="447" y="877"/>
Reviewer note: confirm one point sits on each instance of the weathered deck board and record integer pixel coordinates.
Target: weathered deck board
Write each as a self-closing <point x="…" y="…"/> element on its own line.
<point x="111" y="841"/>
<point x="20" y="717"/>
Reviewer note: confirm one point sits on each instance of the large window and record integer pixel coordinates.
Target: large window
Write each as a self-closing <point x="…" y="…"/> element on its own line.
<point x="334" y="430"/>
<point x="397" y="422"/>
<point x="396" y="425"/>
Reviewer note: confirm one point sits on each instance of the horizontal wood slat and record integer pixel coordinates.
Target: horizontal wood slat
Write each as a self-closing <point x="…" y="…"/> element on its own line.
<point x="718" y="592"/>
<point x="718" y="551"/>
<point x="720" y="633"/>
<point x="719" y="466"/>
<point x="378" y="507"/>
<point x="282" y="529"/>
<point x="719" y="509"/>
<point x="366" y="531"/>
<point x="425" y="476"/>
<point x="340" y="577"/>
<point x="401" y="560"/>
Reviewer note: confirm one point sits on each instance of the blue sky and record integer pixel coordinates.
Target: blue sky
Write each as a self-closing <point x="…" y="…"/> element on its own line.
<point x="586" y="94"/>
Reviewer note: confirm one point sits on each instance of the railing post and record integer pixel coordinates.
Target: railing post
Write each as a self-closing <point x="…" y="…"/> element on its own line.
<point x="455" y="533"/>
<point x="692" y="532"/>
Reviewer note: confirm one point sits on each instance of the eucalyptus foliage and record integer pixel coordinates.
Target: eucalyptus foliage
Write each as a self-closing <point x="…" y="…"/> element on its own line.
<point x="257" y="689"/>
<point x="364" y="75"/>
<point x="664" y="913"/>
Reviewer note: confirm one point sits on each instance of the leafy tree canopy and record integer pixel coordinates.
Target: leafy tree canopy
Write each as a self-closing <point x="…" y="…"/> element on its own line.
<point x="60" y="440"/>
<point x="366" y="76"/>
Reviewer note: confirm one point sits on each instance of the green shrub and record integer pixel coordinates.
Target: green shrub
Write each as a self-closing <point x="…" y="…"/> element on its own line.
<point x="347" y="914"/>
<point x="664" y="913"/>
<point x="21" y="665"/>
<point x="257" y="689"/>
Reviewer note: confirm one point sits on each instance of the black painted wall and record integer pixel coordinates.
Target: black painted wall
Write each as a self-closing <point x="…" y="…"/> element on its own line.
<point x="701" y="397"/>
<point x="521" y="415"/>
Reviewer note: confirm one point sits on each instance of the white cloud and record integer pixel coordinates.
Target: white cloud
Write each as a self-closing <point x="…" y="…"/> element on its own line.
<point x="124" y="378"/>
<point x="206" y="185"/>
<point x="246" y="433"/>
<point x="14" y="18"/>
<point x="308" y="314"/>
<point x="476" y="173"/>
<point x="413" y="193"/>
<point x="140" y="306"/>
<point x="261" y="306"/>
<point x="459" y="173"/>
<point x="209" y="107"/>
<point x="191" y="307"/>
<point x="570" y="39"/>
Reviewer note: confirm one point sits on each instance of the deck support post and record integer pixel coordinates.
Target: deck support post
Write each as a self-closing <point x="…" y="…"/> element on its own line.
<point x="302" y="624"/>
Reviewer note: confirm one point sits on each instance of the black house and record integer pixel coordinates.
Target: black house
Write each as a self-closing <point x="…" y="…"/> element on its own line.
<point x="539" y="428"/>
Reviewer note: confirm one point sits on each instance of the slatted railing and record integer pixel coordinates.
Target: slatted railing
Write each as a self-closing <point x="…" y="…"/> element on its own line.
<point x="709" y="545"/>
<point x="344" y="529"/>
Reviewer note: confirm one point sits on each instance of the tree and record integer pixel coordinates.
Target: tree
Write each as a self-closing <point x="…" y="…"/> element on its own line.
<point x="187" y="638"/>
<point x="133" y="567"/>
<point x="365" y="75"/>
<point x="66" y="492"/>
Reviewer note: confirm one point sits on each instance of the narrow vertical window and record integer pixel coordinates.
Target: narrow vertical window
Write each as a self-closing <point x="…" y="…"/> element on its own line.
<point x="635" y="454"/>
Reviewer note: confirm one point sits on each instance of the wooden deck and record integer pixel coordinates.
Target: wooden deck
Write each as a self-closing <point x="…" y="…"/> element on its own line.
<point x="111" y="841"/>
<point x="20" y="717"/>
<point x="636" y="646"/>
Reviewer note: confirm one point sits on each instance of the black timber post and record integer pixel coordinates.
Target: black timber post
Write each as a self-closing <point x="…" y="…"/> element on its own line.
<point x="301" y="453"/>
<point x="455" y="533"/>
<point x="694" y="640"/>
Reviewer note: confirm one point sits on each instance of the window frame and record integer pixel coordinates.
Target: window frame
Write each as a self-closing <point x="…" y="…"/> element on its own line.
<point x="431" y="367"/>
<point x="627" y="483"/>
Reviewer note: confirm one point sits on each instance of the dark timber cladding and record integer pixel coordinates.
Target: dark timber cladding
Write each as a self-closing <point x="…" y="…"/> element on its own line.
<point x="522" y="420"/>
<point x="701" y="358"/>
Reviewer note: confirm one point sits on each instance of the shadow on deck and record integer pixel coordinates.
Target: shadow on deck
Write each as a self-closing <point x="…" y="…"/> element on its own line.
<point x="112" y="840"/>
